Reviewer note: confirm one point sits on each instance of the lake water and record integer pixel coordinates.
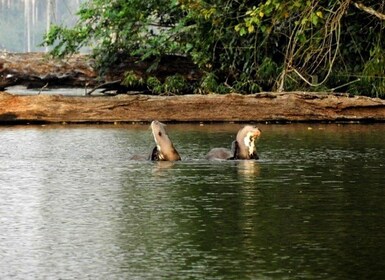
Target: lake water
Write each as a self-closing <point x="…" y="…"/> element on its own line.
<point x="73" y="206"/>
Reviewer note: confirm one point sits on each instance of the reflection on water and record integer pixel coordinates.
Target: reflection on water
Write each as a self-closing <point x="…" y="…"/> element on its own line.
<point x="248" y="169"/>
<point x="73" y="205"/>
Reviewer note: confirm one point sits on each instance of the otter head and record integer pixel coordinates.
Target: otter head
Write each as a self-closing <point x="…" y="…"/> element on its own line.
<point x="164" y="149"/>
<point x="244" y="146"/>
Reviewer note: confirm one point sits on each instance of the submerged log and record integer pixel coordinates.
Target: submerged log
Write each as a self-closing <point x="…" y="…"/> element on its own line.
<point x="265" y="107"/>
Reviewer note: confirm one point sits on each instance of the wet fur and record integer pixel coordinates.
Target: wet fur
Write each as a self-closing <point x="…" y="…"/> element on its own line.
<point x="219" y="154"/>
<point x="239" y="149"/>
<point x="164" y="149"/>
<point x="237" y="155"/>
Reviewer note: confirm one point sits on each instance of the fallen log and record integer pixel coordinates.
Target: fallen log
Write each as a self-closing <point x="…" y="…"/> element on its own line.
<point x="264" y="107"/>
<point x="34" y="70"/>
<point x="37" y="70"/>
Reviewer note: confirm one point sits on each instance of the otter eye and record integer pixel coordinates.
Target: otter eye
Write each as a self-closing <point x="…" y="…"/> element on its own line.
<point x="160" y="133"/>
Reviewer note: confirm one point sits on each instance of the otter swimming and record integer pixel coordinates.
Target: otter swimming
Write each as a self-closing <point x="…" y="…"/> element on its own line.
<point x="242" y="148"/>
<point x="164" y="149"/>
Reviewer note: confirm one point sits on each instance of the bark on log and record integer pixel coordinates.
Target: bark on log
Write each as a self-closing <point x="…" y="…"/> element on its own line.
<point x="284" y="107"/>
<point x="37" y="69"/>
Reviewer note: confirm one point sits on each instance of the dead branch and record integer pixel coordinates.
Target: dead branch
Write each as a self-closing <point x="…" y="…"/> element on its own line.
<point x="106" y="84"/>
<point x="369" y="10"/>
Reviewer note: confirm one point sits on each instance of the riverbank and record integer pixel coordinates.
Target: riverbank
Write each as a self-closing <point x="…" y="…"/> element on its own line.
<point x="262" y="107"/>
<point x="40" y="72"/>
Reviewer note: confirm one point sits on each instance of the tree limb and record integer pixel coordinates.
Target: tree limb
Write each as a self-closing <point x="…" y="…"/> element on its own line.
<point x="106" y="84"/>
<point x="369" y="10"/>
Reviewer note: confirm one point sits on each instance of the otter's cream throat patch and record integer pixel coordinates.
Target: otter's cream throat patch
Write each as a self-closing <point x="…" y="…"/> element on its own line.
<point x="249" y="142"/>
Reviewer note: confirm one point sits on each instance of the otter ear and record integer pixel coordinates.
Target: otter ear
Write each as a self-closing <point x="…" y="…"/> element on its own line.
<point x="234" y="149"/>
<point x="154" y="154"/>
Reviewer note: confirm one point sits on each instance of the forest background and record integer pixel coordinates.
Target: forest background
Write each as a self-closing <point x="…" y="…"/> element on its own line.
<point x="237" y="45"/>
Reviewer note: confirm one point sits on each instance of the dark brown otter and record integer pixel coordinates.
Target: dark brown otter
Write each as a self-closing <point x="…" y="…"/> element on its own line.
<point x="164" y="149"/>
<point x="242" y="148"/>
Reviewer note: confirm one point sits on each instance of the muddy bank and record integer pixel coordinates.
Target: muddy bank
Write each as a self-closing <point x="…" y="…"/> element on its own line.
<point x="263" y="107"/>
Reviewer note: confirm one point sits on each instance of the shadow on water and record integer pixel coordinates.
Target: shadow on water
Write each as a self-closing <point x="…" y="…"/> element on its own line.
<point x="74" y="206"/>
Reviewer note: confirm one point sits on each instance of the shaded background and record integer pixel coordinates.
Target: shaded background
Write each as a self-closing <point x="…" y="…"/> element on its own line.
<point x="23" y="23"/>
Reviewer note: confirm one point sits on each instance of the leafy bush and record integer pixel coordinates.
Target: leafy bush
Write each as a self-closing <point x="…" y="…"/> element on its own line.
<point x="175" y="84"/>
<point x="243" y="45"/>
<point x="154" y="85"/>
<point x="131" y="79"/>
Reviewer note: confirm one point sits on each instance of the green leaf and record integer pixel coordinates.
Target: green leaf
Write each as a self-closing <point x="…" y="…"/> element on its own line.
<point x="314" y="19"/>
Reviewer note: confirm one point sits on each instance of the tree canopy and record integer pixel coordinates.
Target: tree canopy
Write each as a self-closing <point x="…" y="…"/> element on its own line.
<point x="240" y="45"/>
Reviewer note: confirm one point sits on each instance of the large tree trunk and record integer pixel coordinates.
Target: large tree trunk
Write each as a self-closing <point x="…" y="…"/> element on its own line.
<point x="265" y="107"/>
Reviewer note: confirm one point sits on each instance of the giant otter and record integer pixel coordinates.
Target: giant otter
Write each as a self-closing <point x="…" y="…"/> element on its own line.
<point x="164" y="149"/>
<point x="242" y="148"/>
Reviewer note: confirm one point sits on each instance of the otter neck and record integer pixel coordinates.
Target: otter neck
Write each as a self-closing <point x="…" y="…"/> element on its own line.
<point x="245" y="150"/>
<point x="167" y="152"/>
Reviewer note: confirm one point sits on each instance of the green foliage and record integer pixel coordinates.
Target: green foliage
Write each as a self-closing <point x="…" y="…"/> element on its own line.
<point x="175" y="84"/>
<point x="154" y="85"/>
<point x="374" y="70"/>
<point x="68" y="40"/>
<point x="246" y="86"/>
<point x="209" y="84"/>
<point x="372" y="81"/>
<point x="131" y="79"/>
<point x="246" y="46"/>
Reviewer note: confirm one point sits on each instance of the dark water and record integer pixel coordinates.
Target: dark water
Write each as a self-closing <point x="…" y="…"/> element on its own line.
<point x="73" y="206"/>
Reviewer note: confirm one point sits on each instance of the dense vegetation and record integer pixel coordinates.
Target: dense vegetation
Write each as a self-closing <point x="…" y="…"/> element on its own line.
<point x="240" y="45"/>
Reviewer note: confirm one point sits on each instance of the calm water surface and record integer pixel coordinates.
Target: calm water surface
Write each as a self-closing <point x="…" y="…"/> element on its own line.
<point x="73" y="206"/>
